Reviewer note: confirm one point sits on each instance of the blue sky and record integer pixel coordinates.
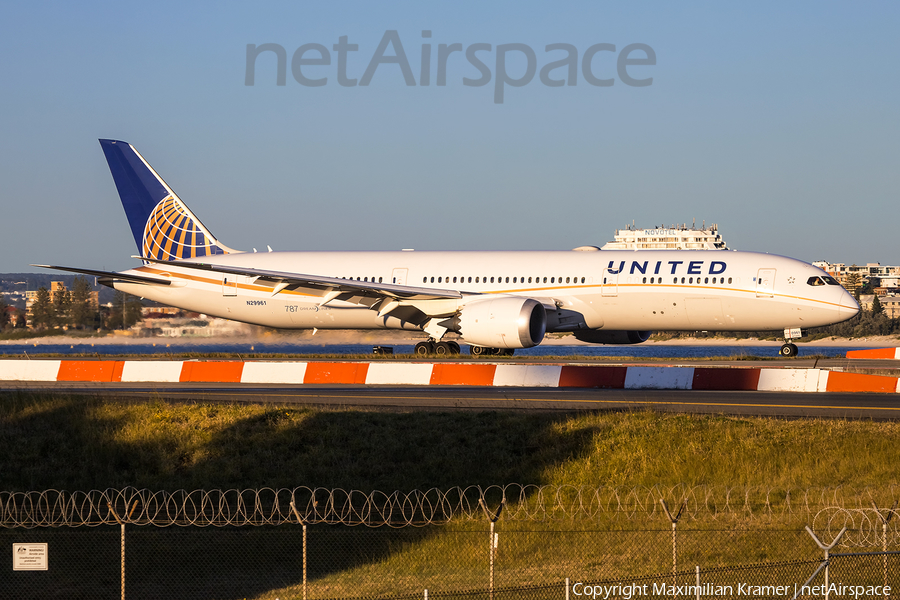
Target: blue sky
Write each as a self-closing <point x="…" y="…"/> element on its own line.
<point x="778" y="121"/>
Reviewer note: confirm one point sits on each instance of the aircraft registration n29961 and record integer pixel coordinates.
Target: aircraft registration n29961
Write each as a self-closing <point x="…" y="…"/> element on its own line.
<point x="495" y="301"/>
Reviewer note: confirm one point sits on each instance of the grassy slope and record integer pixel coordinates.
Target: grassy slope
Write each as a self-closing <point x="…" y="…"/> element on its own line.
<point x="77" y="443"/>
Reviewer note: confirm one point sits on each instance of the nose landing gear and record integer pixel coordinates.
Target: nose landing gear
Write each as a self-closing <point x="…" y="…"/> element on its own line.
<point x="789" y="349"/>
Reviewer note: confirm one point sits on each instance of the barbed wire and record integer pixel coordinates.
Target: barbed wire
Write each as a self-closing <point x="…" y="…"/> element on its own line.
<point x="527" y="503"/>
<point x="866" y="527"/>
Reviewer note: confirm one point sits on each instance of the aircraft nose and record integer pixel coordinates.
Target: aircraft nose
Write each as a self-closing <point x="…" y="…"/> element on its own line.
<point x="848" y="307"/>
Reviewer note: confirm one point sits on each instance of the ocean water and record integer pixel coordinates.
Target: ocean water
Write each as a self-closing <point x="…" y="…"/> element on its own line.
<point x="162" y="348"/>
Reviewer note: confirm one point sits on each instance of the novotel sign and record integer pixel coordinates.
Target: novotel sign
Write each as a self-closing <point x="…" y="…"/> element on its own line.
<point x="660" y="232"/>
<point x="669" y="267"/>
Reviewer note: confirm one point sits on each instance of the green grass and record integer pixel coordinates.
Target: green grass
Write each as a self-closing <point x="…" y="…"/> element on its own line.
<point x="81" y="443"/>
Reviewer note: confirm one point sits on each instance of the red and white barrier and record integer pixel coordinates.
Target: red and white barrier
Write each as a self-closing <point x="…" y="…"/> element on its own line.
<point x="888" y="353"/>
<point x="449" y="373"/>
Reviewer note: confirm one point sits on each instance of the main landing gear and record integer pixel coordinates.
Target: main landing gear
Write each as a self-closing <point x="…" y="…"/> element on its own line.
<point x="480" y="351"/>
<point x="436" y="348"/>
<point x="432" y="348"/>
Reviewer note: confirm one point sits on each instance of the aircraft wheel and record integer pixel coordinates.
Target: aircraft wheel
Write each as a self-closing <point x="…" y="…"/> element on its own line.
<point x="789" y="350"/>
<point x="478" y="350"/>
<point x="454" y="348"/>
<point x="443" y="349"/>
<point x="424" y="349"/>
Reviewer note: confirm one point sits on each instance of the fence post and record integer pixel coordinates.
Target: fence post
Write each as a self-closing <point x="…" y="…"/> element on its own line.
<point x="493" y="540"/>
<point x="697" y="589"/>
<point x="826" y="549"/>
<point x="884" y="524"/>
<point x="303" y="523"/>
<point x="122" y="537"/>
<point x="674" y="521"/>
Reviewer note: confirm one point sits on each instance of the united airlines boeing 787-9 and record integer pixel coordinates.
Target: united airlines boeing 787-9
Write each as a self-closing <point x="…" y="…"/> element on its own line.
<point x="495" y="301"/>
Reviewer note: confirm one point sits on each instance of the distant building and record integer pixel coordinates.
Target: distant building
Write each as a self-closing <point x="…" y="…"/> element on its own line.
<point x="891" y="306"/>
<point x="888" y="276"/>
<point x="56" y="287"/>
<point x="676" y="237"/>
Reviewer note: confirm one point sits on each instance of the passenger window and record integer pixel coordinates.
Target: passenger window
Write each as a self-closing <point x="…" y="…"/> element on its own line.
<point x="507" y="280"/>
<point x="691" y="280"/>
<point x="470" y="280"/>
<point x="553" y="280"/>
<point x="645" y="280"/>
<point x="529" y="280"/>
<point x="492" y="280"/>
<point x="477" y="280"/>
<point x="582" y="280"/>
<point x="682" y="280"/>
<point x="432" y="280"/>
<point x="545" y="280"/>
<point x="729" y="280"/>
<point x="651" y="280"/>
<point x="567" y="279"/>
<point x="706" y="280"/>
<point x="379" y="280"/>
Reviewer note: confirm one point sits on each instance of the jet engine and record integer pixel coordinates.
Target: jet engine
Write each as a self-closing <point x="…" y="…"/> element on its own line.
<point x="507" y="322"/>
<point x="598" y="336"/>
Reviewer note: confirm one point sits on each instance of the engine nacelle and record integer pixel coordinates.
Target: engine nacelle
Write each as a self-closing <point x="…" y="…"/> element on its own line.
<point x="599" y="336"/>
<point x="507" y="322"/>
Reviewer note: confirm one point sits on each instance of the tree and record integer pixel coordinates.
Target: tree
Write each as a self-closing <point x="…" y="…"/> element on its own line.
<point x="125" y="311"/>
<point x="42" y="313"/>
<point x="853" y="283"/>
<point x="83" y="312"/>
<point x="62" y="306"/>
<point x="133" y="306"/>
<point x="877" y="308"/>
<point x="4" y="314"/>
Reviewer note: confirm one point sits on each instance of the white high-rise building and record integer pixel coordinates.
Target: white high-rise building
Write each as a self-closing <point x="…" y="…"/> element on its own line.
<point x="677" y="237"/>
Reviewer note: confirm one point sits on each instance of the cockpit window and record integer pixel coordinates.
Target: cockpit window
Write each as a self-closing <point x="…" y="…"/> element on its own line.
<point x="815" y="281"/>
<point x="831" y="280"/>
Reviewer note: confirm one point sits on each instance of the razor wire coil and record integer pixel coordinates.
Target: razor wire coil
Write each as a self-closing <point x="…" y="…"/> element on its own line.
<point x="824" y="507"/>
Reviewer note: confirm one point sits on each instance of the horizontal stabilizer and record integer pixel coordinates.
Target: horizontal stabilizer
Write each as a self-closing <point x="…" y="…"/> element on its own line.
<point x="109" y="277"/>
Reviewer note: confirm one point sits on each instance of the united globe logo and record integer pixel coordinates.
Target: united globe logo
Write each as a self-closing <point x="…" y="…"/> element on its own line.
<point x="171" y="233"/>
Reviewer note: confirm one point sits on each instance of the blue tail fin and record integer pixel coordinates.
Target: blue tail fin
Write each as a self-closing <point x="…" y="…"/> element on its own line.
<point x="164" y="228"/>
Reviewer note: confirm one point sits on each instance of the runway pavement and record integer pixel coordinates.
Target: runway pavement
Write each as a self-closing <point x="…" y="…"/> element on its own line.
<point x="781" y="404"/>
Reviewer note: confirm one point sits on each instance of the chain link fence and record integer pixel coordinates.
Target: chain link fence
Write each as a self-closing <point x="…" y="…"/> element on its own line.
<point x="213" y="546"/>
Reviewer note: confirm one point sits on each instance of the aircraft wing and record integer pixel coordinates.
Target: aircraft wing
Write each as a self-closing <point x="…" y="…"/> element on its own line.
<point x="327" y="285"/>
<point x="109" y="277"/>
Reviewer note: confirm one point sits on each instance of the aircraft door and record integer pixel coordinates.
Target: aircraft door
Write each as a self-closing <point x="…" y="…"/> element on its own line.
<point x="399" y="276"/>
<point x="229" y="285"/>
<point x="609" y="282"/>
<point x="765" y="283"/>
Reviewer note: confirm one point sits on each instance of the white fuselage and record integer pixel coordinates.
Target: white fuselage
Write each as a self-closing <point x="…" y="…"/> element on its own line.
<point x="602" y="290"/>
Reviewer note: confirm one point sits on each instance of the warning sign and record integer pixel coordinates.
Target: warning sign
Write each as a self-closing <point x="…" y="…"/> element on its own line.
<point x="30" y="557"/>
